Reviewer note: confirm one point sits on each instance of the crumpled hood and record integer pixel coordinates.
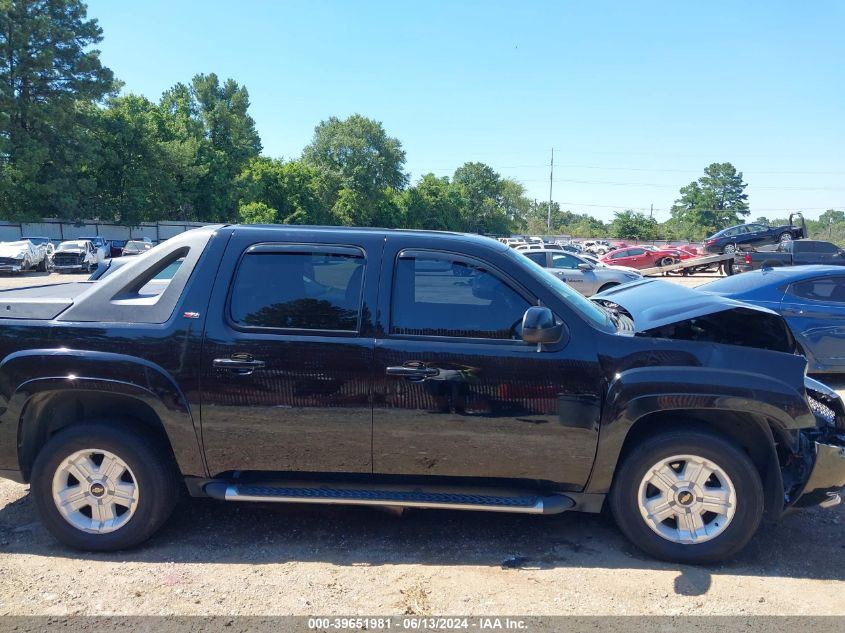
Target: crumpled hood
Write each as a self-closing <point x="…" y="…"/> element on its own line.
<point x="14" y="249"/>
<point x="653" y="303"/>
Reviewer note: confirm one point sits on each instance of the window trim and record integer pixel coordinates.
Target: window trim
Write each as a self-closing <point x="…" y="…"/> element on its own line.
<point x="413" y="253"/>
<point x="288" y="248"/>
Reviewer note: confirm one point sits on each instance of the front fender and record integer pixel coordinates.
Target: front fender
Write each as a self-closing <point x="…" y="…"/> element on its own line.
<point x="28" y="375"/>
<point x="634" y="394"/>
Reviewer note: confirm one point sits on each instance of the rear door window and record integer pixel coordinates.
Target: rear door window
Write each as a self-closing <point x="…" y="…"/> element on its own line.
<point x="298" y="288"/>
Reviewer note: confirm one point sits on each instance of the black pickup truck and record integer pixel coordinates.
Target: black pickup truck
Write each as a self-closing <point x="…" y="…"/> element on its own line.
<point x="791" y="253"/>
<point x="402" y="368"/>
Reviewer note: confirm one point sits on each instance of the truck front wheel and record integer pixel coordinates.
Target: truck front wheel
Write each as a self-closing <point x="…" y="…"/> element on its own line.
<point x="688" y="496"/>
<point x="101" y="487"/>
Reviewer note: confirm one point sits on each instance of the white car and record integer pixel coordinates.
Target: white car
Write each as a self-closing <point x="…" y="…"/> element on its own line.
<point x="22" y="255"/>
<point x="101" y="247"/>
<point x="538" y="247"/>
<point x="75" y="256"/>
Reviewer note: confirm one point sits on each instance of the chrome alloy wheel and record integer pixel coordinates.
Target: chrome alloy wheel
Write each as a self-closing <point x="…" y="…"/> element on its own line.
<point x="95" y="491"/>
<point x="687" y="499"/>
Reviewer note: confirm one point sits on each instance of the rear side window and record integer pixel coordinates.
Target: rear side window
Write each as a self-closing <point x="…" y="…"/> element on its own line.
<point x="452" y="297"/>
<point x="317" y="290"/>
<point x="537" y="258"/>
<point x="829" y="289"/>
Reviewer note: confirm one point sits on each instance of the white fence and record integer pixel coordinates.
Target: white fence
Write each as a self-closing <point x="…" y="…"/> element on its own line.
<point x="58" y="231"/>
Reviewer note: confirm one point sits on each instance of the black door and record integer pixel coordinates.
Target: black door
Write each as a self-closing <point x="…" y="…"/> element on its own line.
<point x="287" y="357"/>
<point x="457" y="393"/>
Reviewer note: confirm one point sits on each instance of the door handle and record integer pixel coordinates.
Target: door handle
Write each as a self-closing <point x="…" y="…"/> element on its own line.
<point x="411" y="372"/>
<point x="243" y="366"/>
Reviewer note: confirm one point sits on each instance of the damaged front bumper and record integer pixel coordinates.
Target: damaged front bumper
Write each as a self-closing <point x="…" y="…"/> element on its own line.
<point x="824" y="449"/>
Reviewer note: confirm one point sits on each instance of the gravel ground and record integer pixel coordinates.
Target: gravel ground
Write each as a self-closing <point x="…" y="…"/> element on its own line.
<point x="214" y="558"/>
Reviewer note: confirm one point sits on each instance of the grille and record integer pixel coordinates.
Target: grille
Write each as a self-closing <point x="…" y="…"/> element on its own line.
<point x="821" y="410"/>
<point x="67" y="259"/>
<point x="5" y="261"/>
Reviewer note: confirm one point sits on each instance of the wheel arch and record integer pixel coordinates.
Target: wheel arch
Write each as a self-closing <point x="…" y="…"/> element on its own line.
<point x="96" y="386"/>
<point x="759" y="416"/>
<point x="752" y="433"/>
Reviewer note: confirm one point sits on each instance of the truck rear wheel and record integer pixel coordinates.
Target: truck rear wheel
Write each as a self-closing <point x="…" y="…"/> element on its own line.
<point x="100" y="487"/>
<point x="688" y="496"/>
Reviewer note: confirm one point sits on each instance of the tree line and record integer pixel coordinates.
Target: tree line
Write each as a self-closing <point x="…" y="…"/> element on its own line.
<point x="73" y="147"/>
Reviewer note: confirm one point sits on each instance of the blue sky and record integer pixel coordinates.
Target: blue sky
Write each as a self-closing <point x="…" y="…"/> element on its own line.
<point x="636" y="98"/>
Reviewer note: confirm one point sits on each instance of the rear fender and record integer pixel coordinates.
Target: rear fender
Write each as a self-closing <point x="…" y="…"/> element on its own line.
<point x="28" y="379"/>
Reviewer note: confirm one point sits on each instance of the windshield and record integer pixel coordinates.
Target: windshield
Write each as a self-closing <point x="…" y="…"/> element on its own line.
<point x="584" y="307"/>
<point x="72" y="246"/>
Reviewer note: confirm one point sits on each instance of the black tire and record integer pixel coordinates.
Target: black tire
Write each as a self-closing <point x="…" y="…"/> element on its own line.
<point x="666" y="261"/>
<point x="608" y="286"/>
<point x="729" y="248"/>
<point x="155" y="475"/>
<point x="786" y="236"/>
<point x="715" y="448"/>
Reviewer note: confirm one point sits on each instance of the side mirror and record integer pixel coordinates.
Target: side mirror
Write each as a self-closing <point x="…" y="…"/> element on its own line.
<point x="585" y="266"/>
<point x="539" y="326"/>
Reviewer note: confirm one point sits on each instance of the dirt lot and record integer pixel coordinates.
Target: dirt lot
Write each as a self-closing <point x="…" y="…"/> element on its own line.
<point x="214" y="558"/>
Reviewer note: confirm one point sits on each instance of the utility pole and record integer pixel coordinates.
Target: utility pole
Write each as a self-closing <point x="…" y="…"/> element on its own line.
<point x="551" y="184"/>
<point x="651" y="212"/>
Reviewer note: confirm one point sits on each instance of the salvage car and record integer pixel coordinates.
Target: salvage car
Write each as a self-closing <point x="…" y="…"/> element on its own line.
<point x="735" y="237"/>
<point x="641" y="257"/>
<point x="75" y="256"/>
<point x="810" y="298"/>
<point x="586" y="277"/>
<point x="791" y="253"/>
<point x="136" y="247"/>
<point x="334" y="365"/>
<point x="22" y="255"/>
<point x="102" y="248"/>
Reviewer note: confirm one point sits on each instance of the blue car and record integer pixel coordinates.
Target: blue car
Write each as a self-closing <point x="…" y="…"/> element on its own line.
<point x="810" y="298"/>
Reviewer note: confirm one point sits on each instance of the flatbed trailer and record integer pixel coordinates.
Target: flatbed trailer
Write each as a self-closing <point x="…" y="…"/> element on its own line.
<point x="696" y="264"/>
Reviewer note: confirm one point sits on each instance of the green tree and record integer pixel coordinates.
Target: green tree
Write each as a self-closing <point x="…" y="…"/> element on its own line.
<point x="211" y="137"/>
<point x="713" y="202"/>
<point x="433" y="203"/>
<point x="516" y="206"/>
<point x="288" y="188"/>
<point x="357" y="161"/>
<point x="630" y="224"/>
<point x="48" y="75"/>
<point x="135" y="181"/>
<point x="482" y="190"/>
<point x="257" y="213"/>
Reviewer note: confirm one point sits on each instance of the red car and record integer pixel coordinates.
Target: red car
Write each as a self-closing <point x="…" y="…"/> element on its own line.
<point x="645" y="256"/>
